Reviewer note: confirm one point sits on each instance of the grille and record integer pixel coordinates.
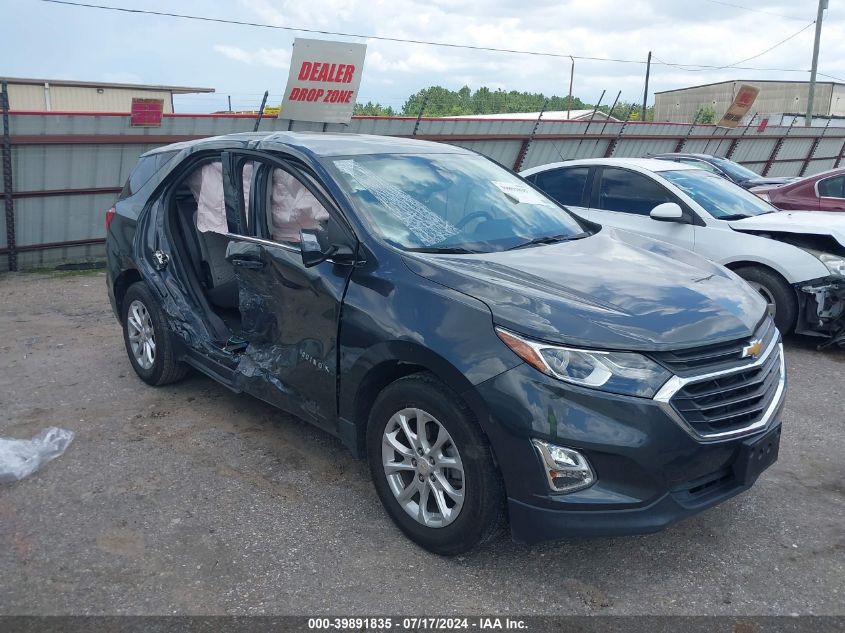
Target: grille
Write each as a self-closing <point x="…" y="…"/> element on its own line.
<point x="703" y="360"/>
<point x="729" y="402"/>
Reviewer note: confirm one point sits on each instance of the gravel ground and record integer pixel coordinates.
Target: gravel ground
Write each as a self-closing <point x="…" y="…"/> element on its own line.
<point x="190" y="499"/>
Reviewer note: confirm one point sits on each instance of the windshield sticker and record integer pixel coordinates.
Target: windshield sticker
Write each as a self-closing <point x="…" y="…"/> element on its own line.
<point x="427" y="226"/>
<point x="521" y="194"/>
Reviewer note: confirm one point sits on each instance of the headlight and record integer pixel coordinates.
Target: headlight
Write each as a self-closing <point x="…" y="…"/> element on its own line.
<point x="835" y="263"/>
<point x="617" y="372"/>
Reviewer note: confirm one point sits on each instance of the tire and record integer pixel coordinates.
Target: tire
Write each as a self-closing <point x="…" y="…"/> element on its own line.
<point x="160" y="367"/>
<point x="480" y="493"/>
<point x="778" y="294"/>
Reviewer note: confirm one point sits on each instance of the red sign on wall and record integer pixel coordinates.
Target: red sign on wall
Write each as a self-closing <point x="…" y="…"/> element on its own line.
<point x="147" y="112"/>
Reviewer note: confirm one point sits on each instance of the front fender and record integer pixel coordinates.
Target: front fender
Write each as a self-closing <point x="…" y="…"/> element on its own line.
<point x="792" y="263"/>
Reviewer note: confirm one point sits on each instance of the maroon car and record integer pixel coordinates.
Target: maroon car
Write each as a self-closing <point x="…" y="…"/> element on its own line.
<point x="822" y="192"/>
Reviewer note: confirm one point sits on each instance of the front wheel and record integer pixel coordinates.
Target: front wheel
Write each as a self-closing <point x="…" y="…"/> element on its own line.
<point x="779" y="295"/>
<point x="432" y="466"/>
<point x="147" y="338"/>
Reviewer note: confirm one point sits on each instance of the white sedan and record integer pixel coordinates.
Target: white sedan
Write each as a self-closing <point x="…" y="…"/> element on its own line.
<point x="795" y="259"/>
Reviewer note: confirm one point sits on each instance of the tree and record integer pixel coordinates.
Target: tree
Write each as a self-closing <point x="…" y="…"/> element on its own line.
<point x="706" y="114"/>
<point x="372" y="109"/>
<point x="442" y="102"/>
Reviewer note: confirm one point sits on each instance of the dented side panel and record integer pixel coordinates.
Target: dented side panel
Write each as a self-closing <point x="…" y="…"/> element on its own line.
<point x="290" y="318"/>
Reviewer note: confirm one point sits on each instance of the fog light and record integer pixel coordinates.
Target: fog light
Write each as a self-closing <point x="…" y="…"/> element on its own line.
<point x="567" y="470"/>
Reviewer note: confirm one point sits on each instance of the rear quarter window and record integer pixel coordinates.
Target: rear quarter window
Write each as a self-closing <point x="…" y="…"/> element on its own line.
<point x="144" y="170"/>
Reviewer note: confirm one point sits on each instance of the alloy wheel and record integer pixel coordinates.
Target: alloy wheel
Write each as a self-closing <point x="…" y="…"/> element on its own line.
<point x="423" y="467"/>
<point x="141" y="335"/>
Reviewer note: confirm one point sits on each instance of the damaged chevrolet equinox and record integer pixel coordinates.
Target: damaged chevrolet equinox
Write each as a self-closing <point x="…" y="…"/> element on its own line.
<point x="494" y="357"/>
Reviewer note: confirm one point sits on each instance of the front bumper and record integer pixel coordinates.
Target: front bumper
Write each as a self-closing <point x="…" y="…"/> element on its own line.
<point x="531" y="524"/>
<point x="650" y="470"/>
<point x="822" y="311"/>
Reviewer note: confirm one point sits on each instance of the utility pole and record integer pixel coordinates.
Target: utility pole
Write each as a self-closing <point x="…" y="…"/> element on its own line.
<point x="571" y="79"/>
<point x="808" y="121"/>
<point x="647" y="71"/>
<point x="230" y="103"/>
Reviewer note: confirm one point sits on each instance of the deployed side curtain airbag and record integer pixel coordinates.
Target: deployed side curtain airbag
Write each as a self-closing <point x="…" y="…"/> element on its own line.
<point x="293" y="207"/>
<point x="206" y="184"/>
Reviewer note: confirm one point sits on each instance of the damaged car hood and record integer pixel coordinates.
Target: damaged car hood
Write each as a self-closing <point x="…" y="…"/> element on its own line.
<point x="614" y="290"/>
<point x="798" y="222"/>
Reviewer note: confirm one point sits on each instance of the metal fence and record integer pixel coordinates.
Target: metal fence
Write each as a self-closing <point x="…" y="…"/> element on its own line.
<point x="67" y="168"/>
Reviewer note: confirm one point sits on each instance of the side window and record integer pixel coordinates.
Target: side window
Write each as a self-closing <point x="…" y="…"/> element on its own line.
<point x="565" y="185"/>
<point x="289" y="207"/>
<point x="630" y="192"/>
<point x="832" y="187"/>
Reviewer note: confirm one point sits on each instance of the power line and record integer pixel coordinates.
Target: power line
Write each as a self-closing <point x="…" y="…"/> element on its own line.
<point x="388" y="39"/>
<point x="744" y="8"/>
<point x="689" y="67"/>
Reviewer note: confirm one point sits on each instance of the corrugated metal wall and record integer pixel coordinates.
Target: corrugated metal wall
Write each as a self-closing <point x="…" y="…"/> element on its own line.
<point x="680" y="106"/>
<point x="68" y="168"/>
<point x="32" y="97"/>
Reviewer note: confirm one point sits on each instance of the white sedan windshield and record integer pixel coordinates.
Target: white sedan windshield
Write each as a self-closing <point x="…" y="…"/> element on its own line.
<point x="720" y="198"/>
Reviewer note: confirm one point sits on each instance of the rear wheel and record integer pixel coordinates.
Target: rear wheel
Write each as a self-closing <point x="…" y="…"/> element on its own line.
<point x="147" y="338"/>
<point x="432" y="466"/>
<point x="779" y="295"/>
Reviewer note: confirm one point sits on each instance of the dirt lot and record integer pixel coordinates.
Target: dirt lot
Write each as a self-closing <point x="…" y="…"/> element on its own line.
<point x="190" y="499"/>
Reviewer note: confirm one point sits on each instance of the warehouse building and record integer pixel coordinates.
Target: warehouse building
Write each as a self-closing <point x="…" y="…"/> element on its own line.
<point x="59" y="95"/>
<point x="775" y="98"/>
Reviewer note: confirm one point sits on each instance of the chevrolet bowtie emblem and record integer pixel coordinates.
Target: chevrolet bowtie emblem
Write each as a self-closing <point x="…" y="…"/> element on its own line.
<point x="753" y="349"/>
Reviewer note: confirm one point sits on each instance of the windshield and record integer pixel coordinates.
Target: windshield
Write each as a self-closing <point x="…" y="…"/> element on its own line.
<point x="734" y="170"/>
<point x="449" y="202"/>
<point x="720" y="198"/>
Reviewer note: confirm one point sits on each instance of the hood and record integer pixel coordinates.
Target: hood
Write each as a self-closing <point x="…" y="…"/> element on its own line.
<point x="798" y="222"/>
<point x="766" y="182"/>
<point x="613" y="290"/>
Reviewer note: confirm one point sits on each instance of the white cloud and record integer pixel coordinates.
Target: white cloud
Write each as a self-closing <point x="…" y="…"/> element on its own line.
<point x="712" y="34"/>
<point x="272" y="57"/>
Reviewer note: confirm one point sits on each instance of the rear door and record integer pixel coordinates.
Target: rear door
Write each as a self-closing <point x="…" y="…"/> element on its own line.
<point x="290" y="314"/>
<point x="624" y="198"/>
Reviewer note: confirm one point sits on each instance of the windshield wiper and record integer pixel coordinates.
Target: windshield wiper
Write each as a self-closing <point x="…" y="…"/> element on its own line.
<point x="442" y="250"/>
<point x="550" y="239"/>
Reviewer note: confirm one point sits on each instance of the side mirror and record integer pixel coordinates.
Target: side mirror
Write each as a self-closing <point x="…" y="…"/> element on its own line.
<point x="667" y="212"/>
<point x="315" y="248"/>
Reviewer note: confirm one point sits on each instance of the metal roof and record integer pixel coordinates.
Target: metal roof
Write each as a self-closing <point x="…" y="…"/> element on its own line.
<point x="749" y="81"/>
<point x="95" y="84"/>
<point x="560" y="115"/>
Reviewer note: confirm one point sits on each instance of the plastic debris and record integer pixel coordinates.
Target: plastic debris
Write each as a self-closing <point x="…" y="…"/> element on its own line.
<point x="21" y="458"/>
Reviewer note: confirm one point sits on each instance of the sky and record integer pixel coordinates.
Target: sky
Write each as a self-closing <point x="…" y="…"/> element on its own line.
<point x="50" y="41"/>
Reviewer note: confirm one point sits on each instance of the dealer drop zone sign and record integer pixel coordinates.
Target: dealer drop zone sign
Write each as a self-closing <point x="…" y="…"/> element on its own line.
<point x="323" y="81"/>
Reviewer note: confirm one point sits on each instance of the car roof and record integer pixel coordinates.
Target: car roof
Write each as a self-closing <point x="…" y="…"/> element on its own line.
<point x="326" y="143"/>
<point x="647" y="164"/>
<point x="686" y="155"/>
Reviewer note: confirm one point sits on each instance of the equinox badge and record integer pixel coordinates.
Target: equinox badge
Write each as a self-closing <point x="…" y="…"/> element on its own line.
<point x="753" y="349"/>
